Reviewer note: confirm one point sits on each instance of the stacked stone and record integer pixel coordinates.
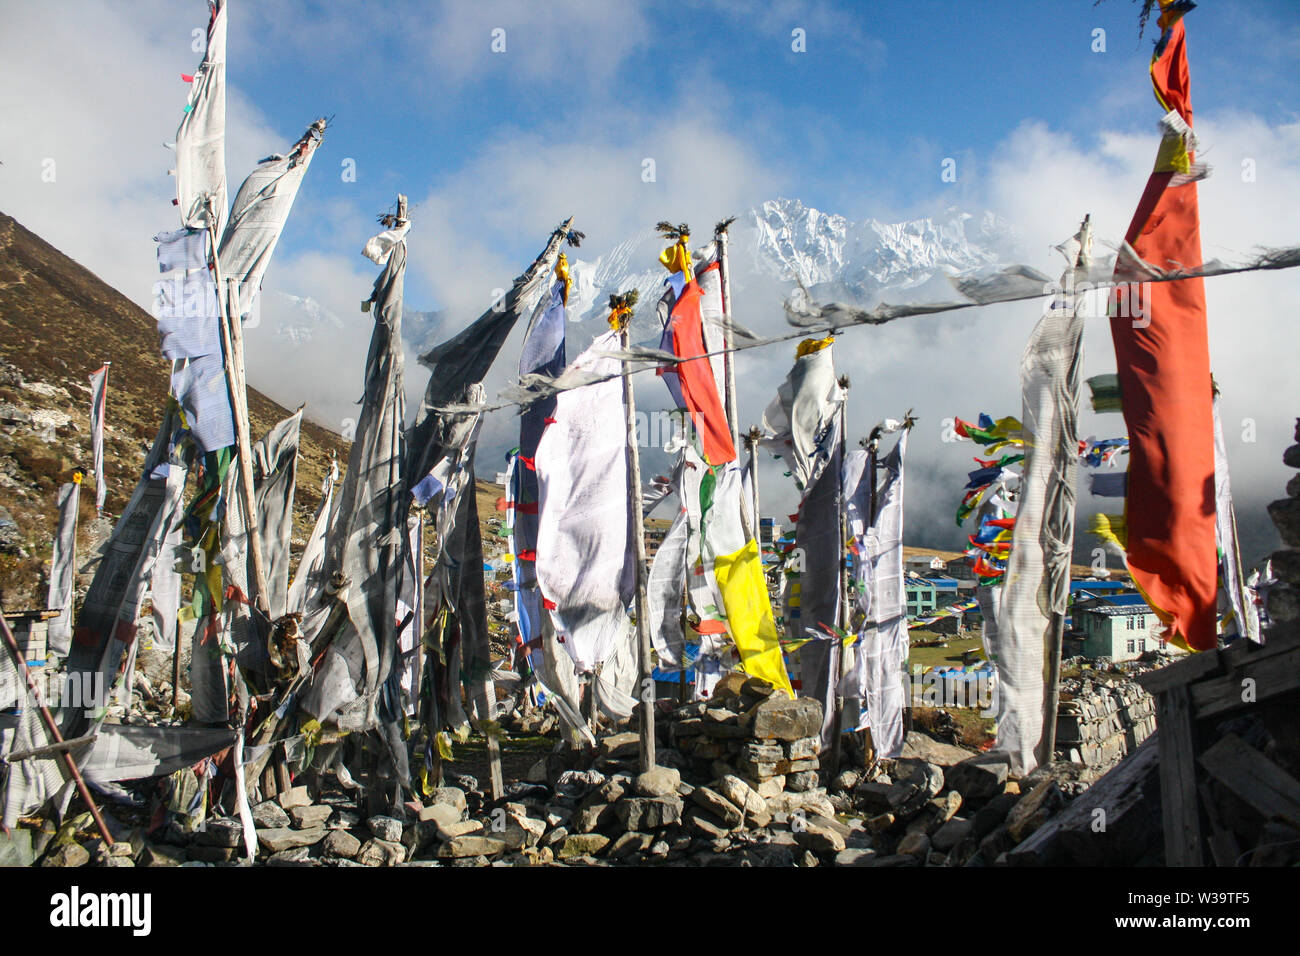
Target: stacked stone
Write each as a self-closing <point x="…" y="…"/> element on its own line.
<point x="1099" y="724"/>
<point x="945" y="808"/>
<point x="746" y="730"/>
<point x="1282" y="600"/>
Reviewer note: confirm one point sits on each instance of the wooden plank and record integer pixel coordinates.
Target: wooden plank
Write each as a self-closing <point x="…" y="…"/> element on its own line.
<point x="1274" y="676"/>
<point x="1261" y="783"/>
<point x="1190" y="668"/>
<point x="1072" y="837"/>
<point x="1222" y="841"/>
<point x="1240" y="651"/>
<point x="1179" y="807"/>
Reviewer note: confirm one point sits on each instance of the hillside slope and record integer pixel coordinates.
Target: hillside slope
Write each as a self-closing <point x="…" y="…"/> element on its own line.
<point x="58" y="323"/>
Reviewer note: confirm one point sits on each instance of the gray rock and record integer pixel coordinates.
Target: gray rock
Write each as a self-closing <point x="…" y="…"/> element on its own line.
<point x="591" y="818"/>
<point x="554" y="836"/>
<point x="211" y="854"/>
<point x="582" y="844"/>
<point x="386" y="828"/>
<point x="379" y="852"/>
<point x="819" y="839"/>
<point x="950" y="834"/>
<point x="221" y="832"/>
<point x="453" y="796"/>
<point x="620" y="745"/>
<point x="806" y="748"/>
<point x="304" y="818"/>
<point x="854" y="856"/>
<point x="922" y="746"/>
<point x="649" y="813"/>
<point x="845" y="781"/>
<point x="275" y="839"/>
<point x="779" y="718"/>
<point x="470" y="846"/>
<point x="992" y="815"/>
<point x="294" y="856"/>
<point x="802" y="781"/>
<point x="70" y="854"/>
<point x="979" y="778"/>
<point x="658" y="782"/>
<point x="731" y="816"/>
<point x="1033" y="809"/>
<point x="294" y="797"/>
<point x="160" y="854"/>
<point x="700" y="821"/>
<point x="341" y="845"/>
<point x="762" y="752"/>
<point x="914" y="845"/>
<point x="630" y="843"/>
<point x="269" y="815"/>
<point x="1286" y="516"/>
<point x="443" y="814"/>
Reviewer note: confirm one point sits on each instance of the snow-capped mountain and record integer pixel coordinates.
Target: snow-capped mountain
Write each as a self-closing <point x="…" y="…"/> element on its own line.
<point x="831" y="256"/>
<point x="774" y="246"/>
<point x="781" y="240"/>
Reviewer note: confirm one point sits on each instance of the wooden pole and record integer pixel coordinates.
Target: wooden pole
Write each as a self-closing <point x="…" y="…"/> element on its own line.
<point x="232" y="341"/>
<point x="842" y="618"/>
<point x="720" y="234"/>
<point x="751" y="445"/>
<point x="646" y="679"/>
<point x="1053" y="702"/>
<point x="48" y="719"/>
<point x="176" y="672"/>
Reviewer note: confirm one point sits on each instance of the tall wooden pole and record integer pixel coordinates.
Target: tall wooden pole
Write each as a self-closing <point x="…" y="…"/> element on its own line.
<point x="720" y="235"/>
<point x="842" y="618"/>
<point x="646" y="688"/>
<point x="232" y="341"/>
<point x="751" y="445"/>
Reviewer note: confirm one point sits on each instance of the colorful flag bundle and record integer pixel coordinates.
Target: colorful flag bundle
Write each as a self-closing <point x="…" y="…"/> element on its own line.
<point x="1095" y="452"/>
<point x="991" y="542"/>
<point x="1003" y="435"/>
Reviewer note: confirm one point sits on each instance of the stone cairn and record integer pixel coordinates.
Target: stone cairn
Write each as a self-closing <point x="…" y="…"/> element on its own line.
<point x="1282" y="601"/>
<point x="1098" y="724"/>
<point x="739" y="783"/>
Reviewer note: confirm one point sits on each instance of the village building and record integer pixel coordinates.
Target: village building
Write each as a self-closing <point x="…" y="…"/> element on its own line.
<point x="1122" y="627"/>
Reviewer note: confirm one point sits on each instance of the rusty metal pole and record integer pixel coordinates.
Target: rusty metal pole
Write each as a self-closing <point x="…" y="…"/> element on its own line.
<point x="53" y="728"/>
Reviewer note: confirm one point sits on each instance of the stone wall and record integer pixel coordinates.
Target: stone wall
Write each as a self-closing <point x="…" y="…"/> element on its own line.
<point x="1098" y="724"/>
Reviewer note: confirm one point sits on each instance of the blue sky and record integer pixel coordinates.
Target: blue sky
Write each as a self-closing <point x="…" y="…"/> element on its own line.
<point x="495" y="148"/>
<point x="858" y="124"/>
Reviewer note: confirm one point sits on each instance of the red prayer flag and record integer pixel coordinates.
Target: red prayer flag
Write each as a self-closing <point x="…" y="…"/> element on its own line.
<point x="1163" y="359"/>
<point x="699" y="389"/>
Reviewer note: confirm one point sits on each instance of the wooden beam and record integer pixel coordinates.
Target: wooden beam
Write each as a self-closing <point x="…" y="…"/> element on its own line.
<point x="1189" y="669"/>
<point x="55" y="748"/>
<point x="1179" y="807"/>
<point x="1258" y="781"/>
<point x="1275" y="669"/>
<point x="1120" y="835"/>
<point x="1222" y="841"/>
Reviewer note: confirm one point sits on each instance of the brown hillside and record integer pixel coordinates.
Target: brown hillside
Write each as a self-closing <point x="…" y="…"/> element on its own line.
<point x="58" y="323"/>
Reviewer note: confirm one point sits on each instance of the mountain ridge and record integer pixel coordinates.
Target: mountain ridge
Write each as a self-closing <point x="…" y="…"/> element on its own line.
<point x="58" y="323"/>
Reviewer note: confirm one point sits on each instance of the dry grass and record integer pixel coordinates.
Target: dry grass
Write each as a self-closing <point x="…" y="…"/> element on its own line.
<point x="58" y="324"/>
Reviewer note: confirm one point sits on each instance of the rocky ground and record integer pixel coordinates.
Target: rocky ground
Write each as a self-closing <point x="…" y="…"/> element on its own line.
<point x="739" y="783"/>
